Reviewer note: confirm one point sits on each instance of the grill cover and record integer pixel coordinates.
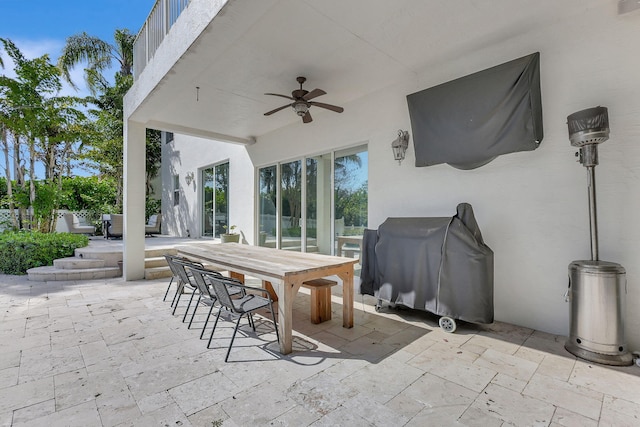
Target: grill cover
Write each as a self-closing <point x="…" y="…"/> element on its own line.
<point x="440" y="265"/>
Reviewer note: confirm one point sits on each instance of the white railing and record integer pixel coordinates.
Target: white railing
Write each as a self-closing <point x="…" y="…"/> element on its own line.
<point x="163" y="15"/>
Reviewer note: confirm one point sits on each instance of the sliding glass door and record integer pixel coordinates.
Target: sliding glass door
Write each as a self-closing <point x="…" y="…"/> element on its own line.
<point x="215" y="199"/>
<point x="267" y="206"/>
<point x="350" y="199"/>
<point x="306" y="204"/>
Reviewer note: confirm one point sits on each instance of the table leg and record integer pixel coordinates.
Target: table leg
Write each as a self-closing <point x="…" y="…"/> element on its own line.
<point x="285" y="316"/>
<point x="237" y="276"/>
<point x="269" y="288"/>
<point x="347" y="297"/>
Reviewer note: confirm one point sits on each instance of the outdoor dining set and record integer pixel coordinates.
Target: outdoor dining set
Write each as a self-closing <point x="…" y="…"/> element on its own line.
<point x="282" y="273"/>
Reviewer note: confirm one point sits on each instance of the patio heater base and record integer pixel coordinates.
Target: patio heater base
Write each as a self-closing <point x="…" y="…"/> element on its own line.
<point x="625" y="359"/>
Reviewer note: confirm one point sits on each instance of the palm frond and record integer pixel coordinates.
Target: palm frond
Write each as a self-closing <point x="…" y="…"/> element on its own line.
<point x="84" y="48"/>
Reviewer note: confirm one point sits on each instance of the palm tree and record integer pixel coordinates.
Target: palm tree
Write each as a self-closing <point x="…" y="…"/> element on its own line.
<point x="99" y="56"/>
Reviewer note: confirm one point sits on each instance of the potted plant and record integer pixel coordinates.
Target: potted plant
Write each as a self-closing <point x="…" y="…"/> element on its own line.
<point x="230" y="235"/>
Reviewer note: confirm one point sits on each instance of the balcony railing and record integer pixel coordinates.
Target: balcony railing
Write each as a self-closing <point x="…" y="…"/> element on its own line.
<point x="163" y="15"/>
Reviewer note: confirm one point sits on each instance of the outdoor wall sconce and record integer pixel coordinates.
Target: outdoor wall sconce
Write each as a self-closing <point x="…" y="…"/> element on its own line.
<point x="400" y="145"/>
<point x="189" y="177"/>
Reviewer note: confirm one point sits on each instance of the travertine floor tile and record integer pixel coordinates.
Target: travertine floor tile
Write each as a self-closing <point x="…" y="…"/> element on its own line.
<point x="520" y="369"/>
<point x="619" y="412"/>
<point x="580" y="400"/>
<point x="513" y="407"/>
<point x="26" y="394"/>
<point x="106" y="352"/>
<point x="607" y="381"/>
<point x="566" y="418"/>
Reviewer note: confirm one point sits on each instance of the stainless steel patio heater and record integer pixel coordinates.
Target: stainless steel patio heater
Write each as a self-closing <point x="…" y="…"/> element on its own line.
<point x="597" y="288"/>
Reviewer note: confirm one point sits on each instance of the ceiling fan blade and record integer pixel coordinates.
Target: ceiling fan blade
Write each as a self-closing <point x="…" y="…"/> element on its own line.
<point x="328" y="106"/>
<point x="314" y="94"/>
<point x="276" y="110"/>
<point x="282" y="96"/>
<point x="307" y="118"/>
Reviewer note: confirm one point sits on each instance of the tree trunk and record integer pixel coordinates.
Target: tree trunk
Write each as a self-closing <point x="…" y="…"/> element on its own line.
<point x="18" y="174"/>
<point x="7" y="171"/>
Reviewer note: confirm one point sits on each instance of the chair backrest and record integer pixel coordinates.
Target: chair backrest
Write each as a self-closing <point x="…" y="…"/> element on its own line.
<point x="153" y="226"/>
<point x="180" y="264"/>
<point x="117" y="223"/>
<point x="201" y="276"/>
<point x="172" y="266"/>
<point x="220" y="288"/>
<point x="68" y="219"/>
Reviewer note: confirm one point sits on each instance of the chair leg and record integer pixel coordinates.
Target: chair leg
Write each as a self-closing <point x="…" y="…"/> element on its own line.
<point x="194" y="311"/>
<point x="178" y="294"/>
<point x="233" y="337"/>
<point x="193" y="293"/>
<point x="167" y="292"/>
<point x="214" y="328"/>
<point x="207" y="320"/>
<point x="251" y="323"/>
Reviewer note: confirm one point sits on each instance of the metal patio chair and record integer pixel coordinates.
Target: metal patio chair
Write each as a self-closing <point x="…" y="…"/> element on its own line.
<point x="177" y="265"/>
<point x="245" y="305"/>
<point x="207" y="296"/>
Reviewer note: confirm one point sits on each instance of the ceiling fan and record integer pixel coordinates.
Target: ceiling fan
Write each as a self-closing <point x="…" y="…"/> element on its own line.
<point x="302" y="102"/>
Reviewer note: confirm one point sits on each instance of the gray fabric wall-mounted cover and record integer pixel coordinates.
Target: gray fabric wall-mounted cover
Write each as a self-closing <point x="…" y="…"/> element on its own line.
<point x="469" y="121"/>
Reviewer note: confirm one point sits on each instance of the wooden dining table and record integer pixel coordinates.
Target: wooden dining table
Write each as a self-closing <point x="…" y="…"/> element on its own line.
<point x="283" y="271"/>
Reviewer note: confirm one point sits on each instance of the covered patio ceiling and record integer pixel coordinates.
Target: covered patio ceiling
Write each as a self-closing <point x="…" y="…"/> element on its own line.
<point x="348" y="48"/>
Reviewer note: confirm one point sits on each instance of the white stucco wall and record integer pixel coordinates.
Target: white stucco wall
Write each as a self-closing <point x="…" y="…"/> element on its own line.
<point x="190" y="154"/>
<point x="531" y="207"/>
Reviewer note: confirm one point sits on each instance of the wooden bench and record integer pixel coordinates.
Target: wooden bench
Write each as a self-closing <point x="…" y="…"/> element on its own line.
<point x="320" y="299"/>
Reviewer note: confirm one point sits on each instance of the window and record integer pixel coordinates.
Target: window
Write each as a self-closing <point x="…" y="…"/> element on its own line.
<point x="176" y="190"/>
<point x="267" y="206"/>
<point x="291" y="205"/>
<point x="168" y="137"/>
<point x="303" y="205"/>
<point x="215" y="200"/>
<point x="350" y="182"/>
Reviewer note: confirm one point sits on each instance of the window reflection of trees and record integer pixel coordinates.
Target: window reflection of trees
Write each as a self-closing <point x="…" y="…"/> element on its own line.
<point x="351" y="191"/>
<point x="291" y="194"/>
<point x="350" y="196"/>
<point x="215" y="194"/>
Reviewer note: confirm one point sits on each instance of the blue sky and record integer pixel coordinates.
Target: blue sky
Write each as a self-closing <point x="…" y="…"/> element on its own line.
<point x="42" y="26"/>
<point x="38" y="27"/>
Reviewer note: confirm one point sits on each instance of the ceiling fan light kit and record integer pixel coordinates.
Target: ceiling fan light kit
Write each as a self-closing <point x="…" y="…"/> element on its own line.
<point x="302" y="102"/>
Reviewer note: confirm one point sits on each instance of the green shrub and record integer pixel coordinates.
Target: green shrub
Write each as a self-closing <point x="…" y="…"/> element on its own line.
<point x="21" y="250"/>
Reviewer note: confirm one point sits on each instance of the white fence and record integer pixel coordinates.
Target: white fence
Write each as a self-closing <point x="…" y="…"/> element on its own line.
<point x="61" y="226"/>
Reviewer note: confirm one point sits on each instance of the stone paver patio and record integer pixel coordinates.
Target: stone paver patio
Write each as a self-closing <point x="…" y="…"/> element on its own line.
<point x="109" y="353"/>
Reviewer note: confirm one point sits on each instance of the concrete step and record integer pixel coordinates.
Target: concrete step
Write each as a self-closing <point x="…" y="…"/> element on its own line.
<point x="50" y="273"/>
<point x="158" y="252"/>
<point x="75" y="263"/>
<point x="155" y="262"/>
<point x="157" y="273"/>
<point x="109" y="256"/>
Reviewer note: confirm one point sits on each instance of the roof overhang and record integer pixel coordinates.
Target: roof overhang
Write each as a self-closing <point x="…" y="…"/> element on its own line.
<point x="209" y="76"/>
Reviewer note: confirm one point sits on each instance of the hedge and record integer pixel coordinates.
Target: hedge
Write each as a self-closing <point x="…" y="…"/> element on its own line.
<point x="22" y="250"/>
